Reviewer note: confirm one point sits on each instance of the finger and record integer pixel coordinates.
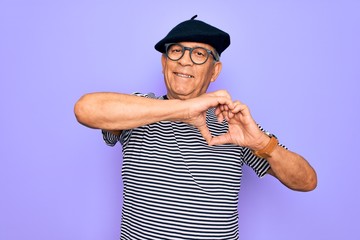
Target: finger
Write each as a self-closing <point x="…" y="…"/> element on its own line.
<point x="219" y="140"/>
<point x="222" y="113"/>
<point x="222" y="107"/>
<point x="238" y="107"/>
<point x="219" y="102"/>
<point x="222" y="93"/>
<point x="218" y="109"/>
<point x="220" y="98"/>
<point x="220" y="117"/>
<point x="219" y="114"/>
<point x="231" y="114"/>
<point x="205" y="133"/>
<point x="225" y="111"/>
<point x="227" y="104"/>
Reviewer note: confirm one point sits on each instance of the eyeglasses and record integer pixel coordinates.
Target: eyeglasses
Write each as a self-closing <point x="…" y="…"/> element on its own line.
<point x="198" y="55"/>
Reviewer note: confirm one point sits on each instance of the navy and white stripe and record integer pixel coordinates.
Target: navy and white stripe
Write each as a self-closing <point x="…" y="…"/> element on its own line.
<point x="176" y="186"/>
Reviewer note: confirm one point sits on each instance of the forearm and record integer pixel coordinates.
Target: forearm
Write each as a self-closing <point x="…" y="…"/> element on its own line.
<point x="115" y="111"/>
<point x="292" y="170"/>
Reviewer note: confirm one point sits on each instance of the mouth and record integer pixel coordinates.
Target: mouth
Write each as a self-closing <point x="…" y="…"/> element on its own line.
<point x="183" y="75"/>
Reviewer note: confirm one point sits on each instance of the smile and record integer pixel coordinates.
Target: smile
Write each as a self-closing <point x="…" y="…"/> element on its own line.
<point x="183" y="75"/>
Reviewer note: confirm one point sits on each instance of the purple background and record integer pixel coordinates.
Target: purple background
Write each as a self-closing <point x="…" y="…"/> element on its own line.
<point x="295" y="63"/>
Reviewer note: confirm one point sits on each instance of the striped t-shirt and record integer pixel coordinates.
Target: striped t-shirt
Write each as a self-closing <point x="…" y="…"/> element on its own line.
<point x="176" y="186"/>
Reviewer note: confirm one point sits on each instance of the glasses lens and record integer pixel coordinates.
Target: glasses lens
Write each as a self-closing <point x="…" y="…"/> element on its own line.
<point x="174" y="51"/>
<point x="199" y="55"/>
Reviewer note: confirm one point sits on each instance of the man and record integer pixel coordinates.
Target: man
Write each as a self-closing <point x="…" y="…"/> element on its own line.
<point x="183" y="152"/>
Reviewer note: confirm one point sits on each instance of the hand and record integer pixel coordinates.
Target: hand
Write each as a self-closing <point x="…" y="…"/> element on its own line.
<point x="198" y="106"/>
<point x="243" y="130"/>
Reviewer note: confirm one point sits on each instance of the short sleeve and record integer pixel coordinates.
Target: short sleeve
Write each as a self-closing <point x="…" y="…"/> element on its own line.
<point x="259" y="165"/>
<point x="109" y="138"/>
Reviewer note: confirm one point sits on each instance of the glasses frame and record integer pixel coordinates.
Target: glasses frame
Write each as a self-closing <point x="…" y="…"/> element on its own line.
<point x="167" y="45"/>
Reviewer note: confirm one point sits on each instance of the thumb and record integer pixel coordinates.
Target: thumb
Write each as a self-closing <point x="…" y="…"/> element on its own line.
<point x="219" y="140"/>
<point x="205" y="133"/>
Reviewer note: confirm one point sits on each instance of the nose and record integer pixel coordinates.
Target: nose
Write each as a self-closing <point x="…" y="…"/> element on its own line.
<point x="186" y="59"/>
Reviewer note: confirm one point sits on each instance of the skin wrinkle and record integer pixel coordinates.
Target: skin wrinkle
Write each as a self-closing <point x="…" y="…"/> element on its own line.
<point x="186" y="88"/>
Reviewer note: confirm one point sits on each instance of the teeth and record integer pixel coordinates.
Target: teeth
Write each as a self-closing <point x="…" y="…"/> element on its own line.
<point x="183" y="75"/>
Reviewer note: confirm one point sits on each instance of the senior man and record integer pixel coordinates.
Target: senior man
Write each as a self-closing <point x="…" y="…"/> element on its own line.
<point x="183" y="152"/>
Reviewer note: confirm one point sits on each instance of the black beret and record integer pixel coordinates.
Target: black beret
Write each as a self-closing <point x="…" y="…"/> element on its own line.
<point x="196" y="31"/>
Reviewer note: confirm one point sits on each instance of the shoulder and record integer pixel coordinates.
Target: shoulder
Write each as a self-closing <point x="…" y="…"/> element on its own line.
<point x="147" y="95"/>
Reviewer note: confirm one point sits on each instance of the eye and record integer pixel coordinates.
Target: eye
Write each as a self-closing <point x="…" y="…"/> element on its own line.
<point x="199" y="52"/>
<point x="175" y="49"/>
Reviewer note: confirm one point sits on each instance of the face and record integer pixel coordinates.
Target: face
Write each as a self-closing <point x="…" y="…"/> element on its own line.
<point x="184" y="79"/>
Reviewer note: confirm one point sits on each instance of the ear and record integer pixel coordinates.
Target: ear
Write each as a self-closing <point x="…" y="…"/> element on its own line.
<point x="216" y="71"/>
<point x="163" y="62"/>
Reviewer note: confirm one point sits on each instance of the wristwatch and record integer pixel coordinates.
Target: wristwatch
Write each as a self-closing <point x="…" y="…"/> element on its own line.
<point x="269" y="148"/>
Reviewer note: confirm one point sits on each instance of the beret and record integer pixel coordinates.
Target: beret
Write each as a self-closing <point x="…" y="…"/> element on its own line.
<point x="196" y="31"/>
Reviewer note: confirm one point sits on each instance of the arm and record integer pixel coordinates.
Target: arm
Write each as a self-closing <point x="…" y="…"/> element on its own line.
<point x="292" y="170"/>
<point x="288" y="167"/>
<point x="115" y="111"/>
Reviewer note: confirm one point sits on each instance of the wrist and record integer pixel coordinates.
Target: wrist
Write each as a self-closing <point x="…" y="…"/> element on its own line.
<point x="267" y="147"/>
<point x="262" y="142"/>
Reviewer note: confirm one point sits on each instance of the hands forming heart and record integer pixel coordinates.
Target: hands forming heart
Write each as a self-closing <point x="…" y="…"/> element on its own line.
<point x="243" y="130"/>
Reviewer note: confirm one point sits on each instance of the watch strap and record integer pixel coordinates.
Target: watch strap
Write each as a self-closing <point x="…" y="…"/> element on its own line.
<point x="268" y="149"/>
